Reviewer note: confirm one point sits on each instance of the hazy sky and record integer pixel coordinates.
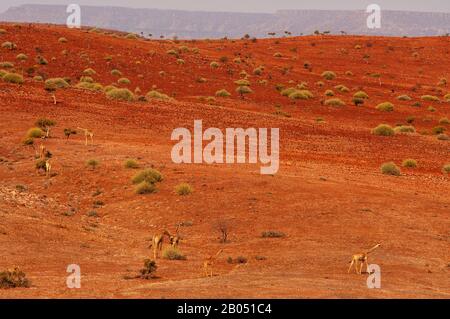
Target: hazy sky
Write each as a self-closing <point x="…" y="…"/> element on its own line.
<point x="251" y="5"/>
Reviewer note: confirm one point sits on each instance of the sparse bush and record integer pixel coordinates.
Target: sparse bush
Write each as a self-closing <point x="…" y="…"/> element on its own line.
<point x="385" y="107"/>
<point x="403" y="98"/>
<point x="145" y="188"/>
<point x="41" y="60"/>
<point x="87" y="79"/>
<point x="404" y="129"/>
<point x="334" y="102"/>
<point x="131" y="163"/>
<point x="410" y="119"/>
<point x="201" y="80"/>
<point x="357" y="101"/>
<point x="120" y="94"/>
<point x="443" y="137"/>
<point x="242" y="90"/>
<point x="123" y="81"/>
<point x="329" y="75"/>
<point x="223" y="93"/>
<point x="214" y="65"/>
<point x="131" y="36"/>
<point x="180" y="62"/>
<point x="153" y="94"/>
<point x="116" y="72"/>
<point x="35" y="132"/>
<point x="444" y="121"/>
<point x="9" y="45"/>
<point x="272" y="234"/>
<point x="361" y="95"/>
<point x="301" y="95"/>
<point x="258" y="71"/>
<point x="92" y="163"/>
<point x="55" y="83"/>
<point x="62" y="40"/>
<point x="13" y="78"/>
<point x="149" y="175"/>
<point x="410" y="163"/>
<point x="390" y="169"/>
<point x="431" y="109"/>
<point x="6" y="65"/>
<point x="90" y="86"/>
<point x="329" y="93"/>
<point x="147" y="272"/>
<point x="342" y="88"/>
<point x="242" y="82"/>
<point x="183" y="189"/>
<point x="21" y="57"/>
<point x="438" y="130"/>
<point x="277" y="55"/>
<point x="38" y="78"/>
<point x="89" y="71"/>
<point x="447" y="97"/>
<point x="446" y="169"/>
<point x="13" y="279"/>
<point x="383" y="130"/>
<point x="430" y="98"/>
<point x="173" y="253"/>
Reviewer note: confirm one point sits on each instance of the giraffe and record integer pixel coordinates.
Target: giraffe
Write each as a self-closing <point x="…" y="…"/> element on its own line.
<point x="362" y="258"/>
<point x="209" y="263"/>
<point x="87" y="133"/>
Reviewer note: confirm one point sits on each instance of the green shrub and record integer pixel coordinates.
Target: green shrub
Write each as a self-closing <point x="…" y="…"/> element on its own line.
<point x="241" y="90"/>
<point x="403" y="98"/>
<point x="214" y="65"/>
<point x="361" y="95"/>
<point x="109" y="88"/>
<point x="277" y="55"/>
<point x="21" y="57"/>
<point x="183" y="189"/>
<point x="410" y="163"/>
<point x="62" y="40"/>
<point x="38" y="78"/>
<point x="13" y="78"/>
<point x="120" y="94"/>
<point x="90" y="86"/>
<point x="173" y="253"/>
<point x="410" y="119"/>
<point x="9" y="45"/>
<point x="6" y="65"/>
<point x="145" y="188"/>
<point x="447" y="97"/>
<point x="404" y="129"/>
<point x="35" y="132"/>
<point x="153" y="94"/>
<point x="223" y="93"/>
<point x="301" y="95"/>
<point x="329" y="93"/>
<point x="446" y="169"/>
<point x="329" y="75"/>
<point x="430" y="98"/>
<point x="87" y="79"/>
<point x="390" y="169"/>
<point x="131" y="163"/>
<point x="438" y="130"/>
<point x="385" y="107"/>
<point x="258" y="71"/>
<point x="149" y="175"/>
<point x="443" y="137"/>
<point x="242" y="82"/>
<point x="334" y="102"/>
<point x="116" y="72"/>
<point x="92" y="163"/>
<point x="383" y="130"/>
<point x="272" y="234"/>
<point x="13" y="279"/>
<point x="89" y="71"/>
<point x="55" y="83"/>
<point x="444" y="121"/>
<point x="342" y="88"/>
<point x="123" y="81"/>
<point x="357" y="101"/>
<point x="131" y="36"/>
<point x="288" y="91"/>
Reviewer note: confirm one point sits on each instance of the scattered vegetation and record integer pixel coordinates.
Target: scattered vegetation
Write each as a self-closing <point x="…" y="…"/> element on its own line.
<point x="149" y="269"/>
<point x="223" y="93"/>
<point x="120" y="94"/>
<point x="131" y="163"/>
<point x="385" y="107"/>
<point x="329" y="75"/>
<point x="334" y="102"/>
<point x="404" y="129"/>
<point x="13" y="78"/>
<point x="383" y="130"/>
<point x="409" y="163"/>
<point x="183" y="189"/>
<point x="272" y="234"/>
<point x="55" y="83"/>
<point x="173" y="253"/>
<point x="13" y="279"/>
<point x="390" y="169"/>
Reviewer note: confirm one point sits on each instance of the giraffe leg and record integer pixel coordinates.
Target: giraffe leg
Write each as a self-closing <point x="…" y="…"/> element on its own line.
<point x="351" y="264"/>
<point x="360" y="266"/>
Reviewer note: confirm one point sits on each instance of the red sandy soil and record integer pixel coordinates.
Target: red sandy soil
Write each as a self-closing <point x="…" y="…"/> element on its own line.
<point x="329" y="196"/>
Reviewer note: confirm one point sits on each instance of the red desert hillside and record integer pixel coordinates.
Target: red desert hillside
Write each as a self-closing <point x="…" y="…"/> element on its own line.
<point x="290" y="234"/>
